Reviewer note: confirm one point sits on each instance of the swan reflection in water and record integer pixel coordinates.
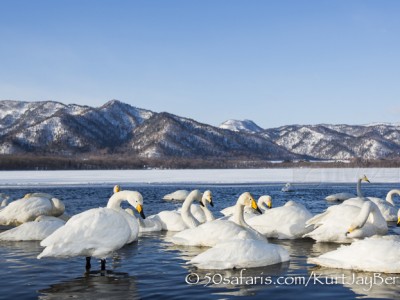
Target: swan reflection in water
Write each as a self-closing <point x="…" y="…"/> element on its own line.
<point x="94" y="285"/>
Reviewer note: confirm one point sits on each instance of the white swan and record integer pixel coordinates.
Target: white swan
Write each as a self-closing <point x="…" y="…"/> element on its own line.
<point x="359" y="200"/>
<point x="36" y="230"/>
<point x="4" y="200"/>
<point x="211" y="233"/>
<point x="374" y="254"/>
<point x="29" y="208"/>
<point x="149" y="224"/>
<point x="285" y="222"/>
<point x="201" y="211"/>
<point x="179" y="195"/>
<point x="387" y="207"/>
<point x="145" y="224"/>
<point x="343" y="223"/>
<point x="339" y="197"/>
<point x="96" y="232"/>
<point x="250" y="212"/>
<point x="178" y="221"/>
<point x="247" y="253"/>
<point x="287" y="188"/>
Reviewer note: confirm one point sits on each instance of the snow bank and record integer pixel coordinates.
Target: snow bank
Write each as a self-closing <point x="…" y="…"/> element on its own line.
<point x="220" y="176"/>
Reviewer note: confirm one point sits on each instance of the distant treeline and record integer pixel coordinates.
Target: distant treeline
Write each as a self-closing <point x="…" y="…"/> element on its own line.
<point x="32" y="162"/>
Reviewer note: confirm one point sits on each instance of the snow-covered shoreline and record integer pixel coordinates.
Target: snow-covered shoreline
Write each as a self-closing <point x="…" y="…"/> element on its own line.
<point x="202" y="176"/>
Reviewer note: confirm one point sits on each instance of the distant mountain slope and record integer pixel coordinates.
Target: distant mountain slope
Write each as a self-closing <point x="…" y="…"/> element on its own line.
<point x="54" y="128"/>
<point x="167" y="135"/>
<point x="237" y="125"/>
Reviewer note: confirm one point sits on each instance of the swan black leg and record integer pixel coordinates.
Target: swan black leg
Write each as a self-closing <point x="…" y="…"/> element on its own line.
<point x="88" y="265"/>
<point x="103" y="264"/>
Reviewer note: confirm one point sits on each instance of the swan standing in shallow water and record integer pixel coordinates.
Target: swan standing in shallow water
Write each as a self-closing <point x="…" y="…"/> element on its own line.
<point x="285" y="222"/>
<point x="36" y="230"/>
<point x="96" y="232"/>
<point x="30" y="207"/>
<point x="250" y="212"/>
<point x="343" y="223"/>
<point x="374" y="254"/>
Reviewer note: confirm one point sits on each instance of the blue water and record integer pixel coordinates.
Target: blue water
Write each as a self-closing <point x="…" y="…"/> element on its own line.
<point x="152" y="267"/>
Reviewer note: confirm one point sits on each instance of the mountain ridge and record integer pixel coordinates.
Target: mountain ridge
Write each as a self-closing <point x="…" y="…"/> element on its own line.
<point x="54" y="128"/>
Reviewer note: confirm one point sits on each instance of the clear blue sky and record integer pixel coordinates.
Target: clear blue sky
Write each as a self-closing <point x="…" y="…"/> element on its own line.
<point x="275" y="62"/>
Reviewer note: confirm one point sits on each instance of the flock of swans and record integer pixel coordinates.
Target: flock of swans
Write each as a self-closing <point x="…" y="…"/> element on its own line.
<point x="237" y="240"/>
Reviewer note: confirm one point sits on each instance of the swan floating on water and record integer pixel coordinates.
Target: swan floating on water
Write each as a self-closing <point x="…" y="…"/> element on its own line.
<point x="374" y="254"/>
<point x="234" y="244"/>
<point x="36" y="230"/>
<point x="387" y="207"/>
<point x="285" y="222"/>
<point x="4" y="200"/>
<point x="96" y="232"/>
<point x="211" y="233"/>
<point x="179" y="195"/>
<point x="287" y="188"/>
<point x="345" y="196"/>
<point x="250" y="212"/>
<point x="178" y="221"/>
<point x="344" y="222"/>
<point x="241" y="253"/>
<point x="29" y="208"/>
<point x="339" y="197"/>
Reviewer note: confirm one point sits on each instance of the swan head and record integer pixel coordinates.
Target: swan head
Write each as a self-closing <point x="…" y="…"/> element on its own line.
<point x="266" y="199"/>
<point x="246" y="199"/>
<point x="117" y="188"/>
<point x="59" y="206"/>
<point x="136" y="200"/>
<point x="207" y="196"/>
<point x="365" y="178"/>
<point x="27" y="196"/>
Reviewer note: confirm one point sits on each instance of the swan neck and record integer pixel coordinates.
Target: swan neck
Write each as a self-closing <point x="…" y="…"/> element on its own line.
<point x="186" y="214"/>
<point x="389" y="196"/>
<point x="362" y="217"/>
<point x="238" y="215"/>
<point x="209" y="215"/>
<point x="115" y="201"/>
<point x="359" y="192"/>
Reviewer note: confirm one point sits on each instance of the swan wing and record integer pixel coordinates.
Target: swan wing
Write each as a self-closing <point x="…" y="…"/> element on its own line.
<point x="240" y="254"/>
<point x="375" y="254"/>
<point x="96" y="232"/>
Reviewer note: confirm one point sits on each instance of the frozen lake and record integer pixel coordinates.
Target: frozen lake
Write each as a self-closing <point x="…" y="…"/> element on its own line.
<point x="203" y="176"/>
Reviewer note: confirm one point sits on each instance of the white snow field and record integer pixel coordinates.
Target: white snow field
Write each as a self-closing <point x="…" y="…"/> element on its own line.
<point x="202" y="176"/>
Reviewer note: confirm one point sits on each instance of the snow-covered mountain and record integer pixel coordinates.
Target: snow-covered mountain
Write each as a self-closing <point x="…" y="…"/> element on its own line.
<point x="338" y="142"/>
<point x="167" y="135"/>
<point x="238" y="125"/>
<point x="50" y="127"/>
